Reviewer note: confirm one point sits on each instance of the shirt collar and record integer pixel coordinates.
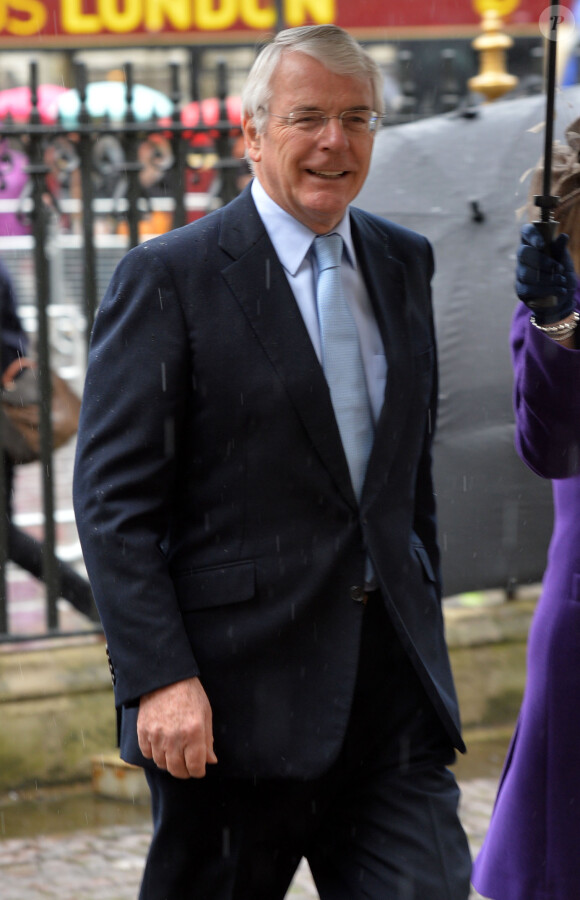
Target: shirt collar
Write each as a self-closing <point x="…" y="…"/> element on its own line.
<point x="291" y="239"/>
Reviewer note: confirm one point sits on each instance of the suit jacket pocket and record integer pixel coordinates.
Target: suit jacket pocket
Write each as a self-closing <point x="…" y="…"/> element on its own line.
<point x="215" y="586"/>
<point x="423" y="558"/>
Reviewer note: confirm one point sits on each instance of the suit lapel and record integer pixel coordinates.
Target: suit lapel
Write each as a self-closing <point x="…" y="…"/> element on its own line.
<point x="260" y="286"/>
<point x="257" y="280"/>
<point x="384" y="277"/>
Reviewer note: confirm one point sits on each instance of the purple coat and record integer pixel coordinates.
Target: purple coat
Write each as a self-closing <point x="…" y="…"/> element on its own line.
<point x="531" y="849"/>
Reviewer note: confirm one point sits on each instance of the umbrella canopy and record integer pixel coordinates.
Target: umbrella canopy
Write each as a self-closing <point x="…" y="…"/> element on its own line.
<point x="109" y="99"/>
<point x="459" y="179"/>
<point x="210" y="109"/>
<point x="15" y="102"/>
<point x="206" y="113"/>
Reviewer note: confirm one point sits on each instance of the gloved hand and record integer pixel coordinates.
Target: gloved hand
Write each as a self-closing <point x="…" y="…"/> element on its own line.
<point x="542" y="273"/>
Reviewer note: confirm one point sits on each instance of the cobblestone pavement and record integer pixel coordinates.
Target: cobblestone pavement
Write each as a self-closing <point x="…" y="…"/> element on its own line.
<point x="106" y="863"/>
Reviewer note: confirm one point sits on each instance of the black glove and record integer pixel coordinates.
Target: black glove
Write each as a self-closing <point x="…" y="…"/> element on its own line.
<point x="542" y="273"/>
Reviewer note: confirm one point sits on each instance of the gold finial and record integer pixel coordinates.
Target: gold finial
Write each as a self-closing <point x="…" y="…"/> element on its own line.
<point x="493" y="79"/>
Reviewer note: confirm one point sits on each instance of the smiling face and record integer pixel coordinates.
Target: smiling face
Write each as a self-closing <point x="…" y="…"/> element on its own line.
<point x="312" y="177"/>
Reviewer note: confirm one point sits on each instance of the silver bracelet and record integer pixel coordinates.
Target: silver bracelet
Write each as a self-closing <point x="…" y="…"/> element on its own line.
<point x="560" y="331"/>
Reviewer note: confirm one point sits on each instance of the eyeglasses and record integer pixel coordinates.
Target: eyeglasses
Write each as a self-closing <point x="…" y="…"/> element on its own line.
<point x="312" y="122"/>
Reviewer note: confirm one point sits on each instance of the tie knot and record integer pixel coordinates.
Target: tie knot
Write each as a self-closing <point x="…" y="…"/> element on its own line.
<point x="328" y="249"/>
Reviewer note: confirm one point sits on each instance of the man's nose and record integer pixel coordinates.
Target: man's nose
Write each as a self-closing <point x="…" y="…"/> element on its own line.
<point x="333" y="132"/>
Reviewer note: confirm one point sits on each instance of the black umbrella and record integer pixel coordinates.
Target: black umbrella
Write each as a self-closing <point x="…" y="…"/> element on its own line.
<point x="458" y="179"/>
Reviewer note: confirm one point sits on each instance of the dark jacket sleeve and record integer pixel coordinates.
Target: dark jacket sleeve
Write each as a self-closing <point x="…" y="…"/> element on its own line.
<point x="125" y="473"/>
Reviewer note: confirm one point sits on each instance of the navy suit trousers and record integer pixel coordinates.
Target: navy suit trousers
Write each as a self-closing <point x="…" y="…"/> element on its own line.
<point x="382" y="823"/>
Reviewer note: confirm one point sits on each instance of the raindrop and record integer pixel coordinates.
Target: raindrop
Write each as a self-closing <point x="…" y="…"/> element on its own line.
<point x="163" y="377"/>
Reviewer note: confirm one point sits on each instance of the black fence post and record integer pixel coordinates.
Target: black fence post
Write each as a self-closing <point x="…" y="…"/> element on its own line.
<point x="87" y="194"/>
<point x="227" y="167"/>
<point x="179" y="150"/>
<point x="280" y="20"/>
<point x="132" y="164"/>
<point x="449" y="89"/>
<point x="409" y="99"/>
<point x="38" y="170"/>
<point x="194" y="70"/>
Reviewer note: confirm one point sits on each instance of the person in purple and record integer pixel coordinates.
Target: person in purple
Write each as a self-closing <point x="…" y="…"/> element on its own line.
<point x="530" y="851"/>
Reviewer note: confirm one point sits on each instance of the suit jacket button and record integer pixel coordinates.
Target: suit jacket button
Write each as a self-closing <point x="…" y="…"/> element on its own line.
<point x="357" y="593"/>
<point x="111" y="667"/>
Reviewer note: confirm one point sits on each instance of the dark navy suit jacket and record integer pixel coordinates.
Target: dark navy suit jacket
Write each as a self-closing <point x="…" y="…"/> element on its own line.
<point x="213" y="499"/>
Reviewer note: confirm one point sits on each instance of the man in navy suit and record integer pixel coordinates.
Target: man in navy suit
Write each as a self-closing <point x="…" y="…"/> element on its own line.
<point x="276" y="636"/>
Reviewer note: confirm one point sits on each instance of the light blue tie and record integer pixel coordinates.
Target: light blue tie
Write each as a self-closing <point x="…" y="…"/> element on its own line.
<point x="342" y="360"/>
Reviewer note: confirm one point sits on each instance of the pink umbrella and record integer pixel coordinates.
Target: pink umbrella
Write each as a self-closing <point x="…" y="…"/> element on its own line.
<point x="210" y="112"/>
<point x="210" y="115"/>
<point x="15" y="102"/>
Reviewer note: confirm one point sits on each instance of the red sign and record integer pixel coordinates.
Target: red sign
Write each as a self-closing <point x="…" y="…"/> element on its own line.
<point x="38" y="23"/>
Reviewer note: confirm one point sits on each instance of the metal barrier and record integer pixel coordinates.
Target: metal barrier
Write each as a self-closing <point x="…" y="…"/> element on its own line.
<point x="94" y="189"/>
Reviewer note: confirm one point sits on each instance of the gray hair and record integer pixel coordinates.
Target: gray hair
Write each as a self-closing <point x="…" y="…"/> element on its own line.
<point x="330" y="45"/>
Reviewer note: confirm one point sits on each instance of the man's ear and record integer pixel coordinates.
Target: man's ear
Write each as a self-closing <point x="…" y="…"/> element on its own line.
<point x="252" y="139"/>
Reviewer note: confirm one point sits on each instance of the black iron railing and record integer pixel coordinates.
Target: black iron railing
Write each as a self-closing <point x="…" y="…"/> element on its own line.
<point x="80" y="176"/>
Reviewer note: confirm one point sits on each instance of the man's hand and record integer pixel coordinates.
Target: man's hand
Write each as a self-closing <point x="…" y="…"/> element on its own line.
<point x="174" y="728"/>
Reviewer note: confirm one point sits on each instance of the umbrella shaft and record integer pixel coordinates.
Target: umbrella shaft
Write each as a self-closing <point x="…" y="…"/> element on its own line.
<point x="550" y="95"/>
